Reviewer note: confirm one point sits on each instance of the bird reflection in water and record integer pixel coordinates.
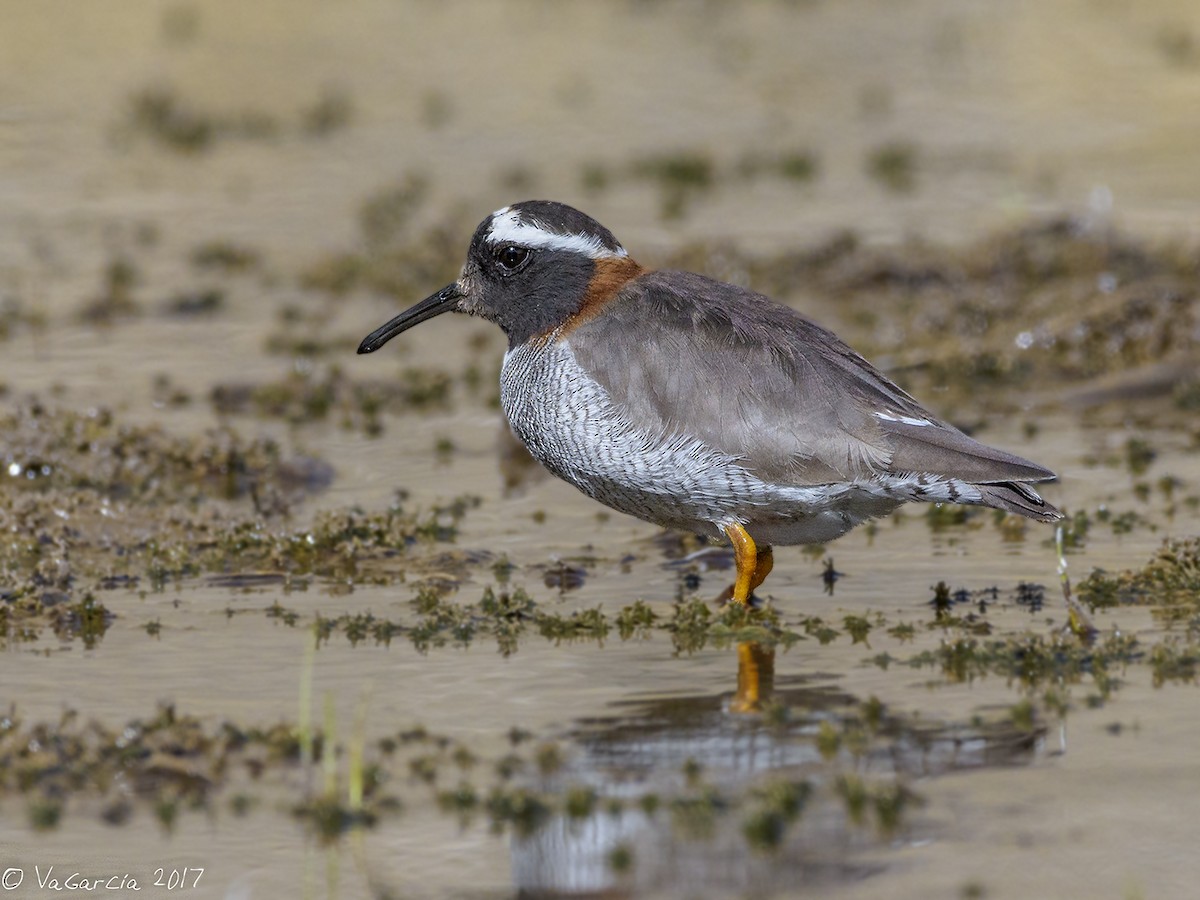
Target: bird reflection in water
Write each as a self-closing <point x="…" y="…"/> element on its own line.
<point x="755" y="677"/>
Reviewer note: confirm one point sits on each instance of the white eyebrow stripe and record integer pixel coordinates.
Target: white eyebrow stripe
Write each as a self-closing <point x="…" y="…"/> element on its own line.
<point x="907" y="420"/>
<point x="508" y="227"/>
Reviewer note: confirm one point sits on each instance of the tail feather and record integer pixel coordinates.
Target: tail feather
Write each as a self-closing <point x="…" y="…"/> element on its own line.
<point x="1019" y="498"/>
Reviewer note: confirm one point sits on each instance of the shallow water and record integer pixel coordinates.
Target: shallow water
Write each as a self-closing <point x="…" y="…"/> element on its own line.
<point x="999" y="785"/>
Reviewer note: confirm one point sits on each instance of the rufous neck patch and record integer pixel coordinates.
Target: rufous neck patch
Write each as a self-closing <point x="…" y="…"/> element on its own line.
<point x="609" y="276"/>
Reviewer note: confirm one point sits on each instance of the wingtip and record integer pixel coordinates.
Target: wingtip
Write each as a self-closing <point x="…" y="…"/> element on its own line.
<point x="1051" y="514"/>
<point x="1020" y="498"/>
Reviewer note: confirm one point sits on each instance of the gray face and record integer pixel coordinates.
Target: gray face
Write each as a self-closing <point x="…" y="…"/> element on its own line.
<point x="527" y="270"/>
<point x="525" y="290"/>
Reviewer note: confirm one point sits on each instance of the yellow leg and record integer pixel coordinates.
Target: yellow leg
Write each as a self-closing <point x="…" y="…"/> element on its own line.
<point x="753" y="564"/>
<point x="745" y="559"/>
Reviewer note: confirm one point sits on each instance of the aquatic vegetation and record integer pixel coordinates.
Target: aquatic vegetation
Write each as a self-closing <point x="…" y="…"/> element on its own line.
<point x="385" y="263"/>
<point x="635" y="620"/>
<point x="858" y="627"/>
<point x="330" y="112"/>
<point x="17" y="316"/>
<point x="1169" y="582"/>
<point x="225" y="256"/>
<point x="90" y="505"/>
<point x="589" y="624"/>
<point x="894" y="165"/>
<point x="595" y="177"/>
<point x="797" y="165"/>
<point x="115" y="298"/>
<point x="162" y="114"/>
<point x="684" y="175"/>
<point x="679" y="177"/>
<point x="50" y="449"/>
<point x="1139" y="454"/>
<point x="200" y="302"/>
<point x="1034" y="661"/>
<point x="508" y="615"/>
<point x="815" y="626"/>
<point x="305" y="397"/>
<point x="386" y="215"/>
<point x="167" y="764"/>
<point x="776" y="806"/>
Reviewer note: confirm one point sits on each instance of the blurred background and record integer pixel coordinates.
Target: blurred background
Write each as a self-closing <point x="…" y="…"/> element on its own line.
<point x="205" y="205"/>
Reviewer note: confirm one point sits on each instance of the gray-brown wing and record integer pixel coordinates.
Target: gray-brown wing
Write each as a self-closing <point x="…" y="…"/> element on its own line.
<point x="680" y="353"/>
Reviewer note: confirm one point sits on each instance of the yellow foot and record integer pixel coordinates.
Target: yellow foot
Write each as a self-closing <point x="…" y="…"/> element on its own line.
<point x="753" y="563"/>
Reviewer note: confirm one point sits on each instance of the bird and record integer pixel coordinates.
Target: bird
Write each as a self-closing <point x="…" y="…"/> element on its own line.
<point x="700" y="405"/>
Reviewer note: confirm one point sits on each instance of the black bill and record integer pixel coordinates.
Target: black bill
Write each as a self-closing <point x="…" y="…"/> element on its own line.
<point x="444" y="300"/>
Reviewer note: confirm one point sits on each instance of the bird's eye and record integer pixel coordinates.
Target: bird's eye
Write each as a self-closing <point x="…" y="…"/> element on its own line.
<point x="512" y="257"/>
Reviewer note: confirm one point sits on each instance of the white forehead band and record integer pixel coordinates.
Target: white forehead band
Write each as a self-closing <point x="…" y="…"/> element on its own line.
<point x="507" y="227"/>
